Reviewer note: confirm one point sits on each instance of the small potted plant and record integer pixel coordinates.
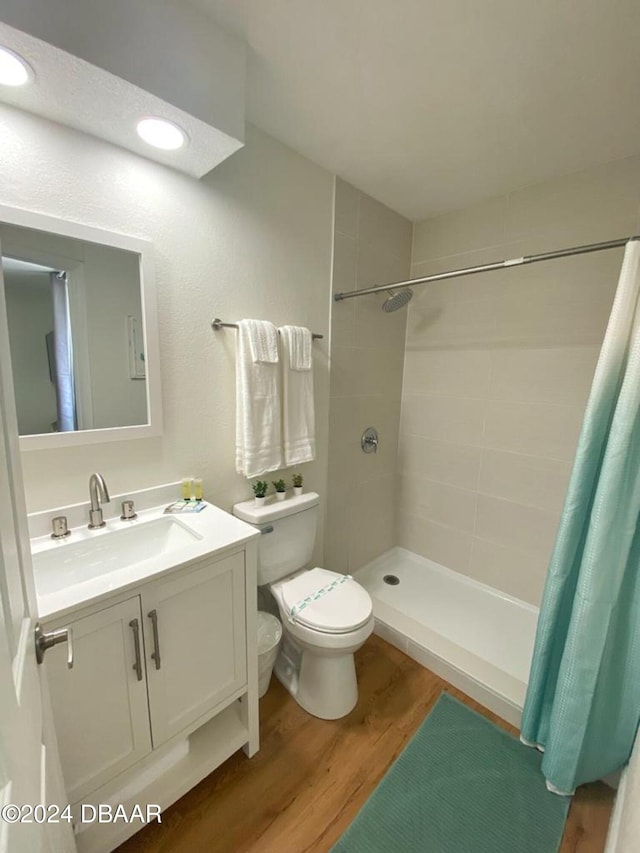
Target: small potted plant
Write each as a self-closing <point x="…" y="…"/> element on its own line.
<point x="297" y="484"/>
<point x="281" y="488"/>
<point x="259" y="490"/>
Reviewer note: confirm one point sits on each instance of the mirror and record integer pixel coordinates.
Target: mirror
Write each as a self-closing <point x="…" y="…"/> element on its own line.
<point x="81" y="329"/>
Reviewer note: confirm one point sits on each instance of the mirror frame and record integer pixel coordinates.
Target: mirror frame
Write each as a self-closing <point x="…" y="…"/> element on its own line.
<point x="144" y="249"/>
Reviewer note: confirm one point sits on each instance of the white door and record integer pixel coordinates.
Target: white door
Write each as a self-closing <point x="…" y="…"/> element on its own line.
<point x="29" y="767"/>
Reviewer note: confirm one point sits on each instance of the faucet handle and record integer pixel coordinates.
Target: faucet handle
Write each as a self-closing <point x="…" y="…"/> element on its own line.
<point x="128" y="511"/>
<point x="59" y="527"/>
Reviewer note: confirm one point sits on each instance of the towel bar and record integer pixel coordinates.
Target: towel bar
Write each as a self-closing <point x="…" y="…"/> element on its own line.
<point x="217" y="324"/>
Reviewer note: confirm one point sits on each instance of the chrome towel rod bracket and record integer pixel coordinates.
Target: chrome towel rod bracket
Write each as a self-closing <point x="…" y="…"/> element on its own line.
<point x="217" y="324"/>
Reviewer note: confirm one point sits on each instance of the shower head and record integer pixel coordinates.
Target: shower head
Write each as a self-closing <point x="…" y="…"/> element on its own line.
<point x="397" y="300"/>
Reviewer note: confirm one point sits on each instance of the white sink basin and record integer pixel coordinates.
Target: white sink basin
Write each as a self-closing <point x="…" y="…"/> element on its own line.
<point x="67" y="563"/>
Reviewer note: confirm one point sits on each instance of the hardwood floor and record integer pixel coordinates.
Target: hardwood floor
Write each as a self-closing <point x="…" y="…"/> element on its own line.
<point x="303" y="788"/>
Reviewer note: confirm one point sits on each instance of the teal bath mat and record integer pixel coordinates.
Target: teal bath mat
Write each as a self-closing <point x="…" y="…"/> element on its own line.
<point x="461" y="785"/>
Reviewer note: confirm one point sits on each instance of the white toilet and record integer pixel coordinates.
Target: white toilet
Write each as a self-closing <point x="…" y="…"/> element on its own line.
<point x="326" y="616"/>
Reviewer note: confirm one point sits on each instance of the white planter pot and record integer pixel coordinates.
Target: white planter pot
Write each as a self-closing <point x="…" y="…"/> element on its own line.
<point x="297" y="490"/>
<point x="280" y="496"/>
<point x="260" y="501"/>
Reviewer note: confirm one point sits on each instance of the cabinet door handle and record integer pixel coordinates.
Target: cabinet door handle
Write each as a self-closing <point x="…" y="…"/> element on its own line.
<point x="136" y="642"/>
<point x="156" y="643"/>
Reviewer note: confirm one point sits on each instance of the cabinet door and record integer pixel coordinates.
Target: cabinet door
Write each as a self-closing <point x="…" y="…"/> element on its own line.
<point x="100" y="706"/>
<point x="194" y="625"/>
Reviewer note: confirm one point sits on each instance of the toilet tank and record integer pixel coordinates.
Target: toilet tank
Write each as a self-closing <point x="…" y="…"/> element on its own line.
<point x="288" y="530"/>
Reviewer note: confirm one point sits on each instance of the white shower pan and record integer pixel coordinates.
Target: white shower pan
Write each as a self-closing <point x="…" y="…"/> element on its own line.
<point x="472" y="635"/>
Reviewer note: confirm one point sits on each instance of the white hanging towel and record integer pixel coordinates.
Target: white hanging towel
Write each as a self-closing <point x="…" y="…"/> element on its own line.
<point x="298" y="407"/>
<point x="258" y="430"/>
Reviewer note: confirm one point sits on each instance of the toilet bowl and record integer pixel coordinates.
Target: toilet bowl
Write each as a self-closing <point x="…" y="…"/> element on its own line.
<point x="326" y="616"/>
<point x="316" y="662"/>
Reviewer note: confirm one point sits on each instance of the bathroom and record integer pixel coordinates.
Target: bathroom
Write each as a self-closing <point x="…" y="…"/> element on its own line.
<point x="477" y="388"/>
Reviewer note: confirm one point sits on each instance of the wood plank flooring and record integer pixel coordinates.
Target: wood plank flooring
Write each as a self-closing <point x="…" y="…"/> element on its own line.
<point x="303" y="788"/>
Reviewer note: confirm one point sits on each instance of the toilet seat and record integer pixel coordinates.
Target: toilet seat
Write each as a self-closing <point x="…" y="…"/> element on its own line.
<point x="325" y="601"/>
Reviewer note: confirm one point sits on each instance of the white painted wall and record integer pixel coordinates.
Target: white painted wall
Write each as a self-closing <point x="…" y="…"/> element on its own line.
<point x="30" y="318"/>
<point x="252" y="239"/>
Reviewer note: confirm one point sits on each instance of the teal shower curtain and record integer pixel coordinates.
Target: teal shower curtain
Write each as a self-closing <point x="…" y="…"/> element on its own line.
<point x="583" y="701"/>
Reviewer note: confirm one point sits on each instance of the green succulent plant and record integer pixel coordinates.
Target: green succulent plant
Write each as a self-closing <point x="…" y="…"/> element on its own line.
<point x="260" y="488"/>
<point x="297" y="480"/>
<point x="279" y="485"/>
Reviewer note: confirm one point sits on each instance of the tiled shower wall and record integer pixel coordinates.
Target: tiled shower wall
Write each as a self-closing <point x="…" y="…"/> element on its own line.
<point x="498" y="369"/>
<point x="372" y="245"/>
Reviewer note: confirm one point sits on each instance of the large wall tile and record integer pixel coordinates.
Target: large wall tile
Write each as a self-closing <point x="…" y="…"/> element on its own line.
<point x="378" y="266"/>
<point x="463" y="287"/>
<point x="456" y="419"/>
<point x="433" y="501"/>
<point x="343" y="375"/>
<point x="526" y="528"/>
<point x="442" y="461"/>
<point x="540" y="429"/>
<point x="446" y="546"/>
<point x="461" y="231"/>
<point x="371" y="246"/>
<point x="460" y="373"/>
<point x="514" y="572"/>
<point x="553" y="375"/>
<point x="376" y="536"/>
<point x="374" y="327"/>
<point x="343" y="323"/>
<point x="552" y="313"/>
<point x="378" y="371"/>
<point x="383" y="413"/>
<point x="525" y="479"/>
<point x="337" y="529"/>
<point x="381" y="226"/>
<point x="347" y="204"/>
<point x="345" y="258"/>
<point x="343" y="280"/>
<point x="341" y="462"/>
<point x="342" y="415"/>
<point x="372" y="510"/>
<point x="591" y="204"/>
<point x="452" y="324"/>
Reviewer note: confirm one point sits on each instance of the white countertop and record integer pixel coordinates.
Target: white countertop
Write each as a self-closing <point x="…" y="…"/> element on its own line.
<point x="214" y="531"/>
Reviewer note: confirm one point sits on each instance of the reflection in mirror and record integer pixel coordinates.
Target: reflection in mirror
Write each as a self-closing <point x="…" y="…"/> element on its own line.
<point x="76" y="328"/>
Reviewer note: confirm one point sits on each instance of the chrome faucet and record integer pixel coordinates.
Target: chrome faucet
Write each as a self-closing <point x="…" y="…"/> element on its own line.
<point x="98" y="491"/>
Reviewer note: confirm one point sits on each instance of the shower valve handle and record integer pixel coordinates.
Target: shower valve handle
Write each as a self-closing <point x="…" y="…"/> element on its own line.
<point x="369" y="440"/>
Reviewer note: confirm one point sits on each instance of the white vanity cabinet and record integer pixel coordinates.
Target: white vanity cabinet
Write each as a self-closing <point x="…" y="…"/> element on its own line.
<point x="195" y="639"/>
<point x="168" y="664"/>
<point x="100" y="706"/>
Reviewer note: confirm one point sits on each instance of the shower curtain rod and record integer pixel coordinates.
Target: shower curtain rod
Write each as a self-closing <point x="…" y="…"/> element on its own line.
<point x="497" y="265"/>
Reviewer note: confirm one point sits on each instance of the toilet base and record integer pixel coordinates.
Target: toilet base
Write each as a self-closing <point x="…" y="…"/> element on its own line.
<point x="323" y="683"/>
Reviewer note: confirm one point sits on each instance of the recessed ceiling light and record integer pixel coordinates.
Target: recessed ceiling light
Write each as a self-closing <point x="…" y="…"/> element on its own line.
<point x="161" y="133"/>
<point x="14" y="71"/>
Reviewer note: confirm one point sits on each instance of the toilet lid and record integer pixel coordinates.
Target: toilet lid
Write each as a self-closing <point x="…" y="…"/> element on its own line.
<point x="326" y="601"/>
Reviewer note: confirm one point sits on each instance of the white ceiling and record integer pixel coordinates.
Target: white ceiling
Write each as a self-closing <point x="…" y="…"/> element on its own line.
<point x="78" y="93"/>
<point x="432" y="105"/>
